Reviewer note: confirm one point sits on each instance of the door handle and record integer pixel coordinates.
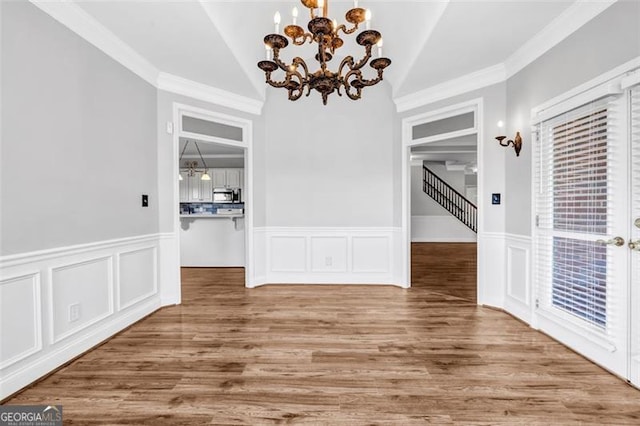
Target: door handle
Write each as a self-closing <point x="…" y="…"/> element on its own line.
<point x="634" y="245"/>
<point x="615" y="241"/>
<point x="637" y="223"/>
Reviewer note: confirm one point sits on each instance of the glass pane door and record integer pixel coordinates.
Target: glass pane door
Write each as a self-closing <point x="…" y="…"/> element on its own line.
<point x="581" y="258"/>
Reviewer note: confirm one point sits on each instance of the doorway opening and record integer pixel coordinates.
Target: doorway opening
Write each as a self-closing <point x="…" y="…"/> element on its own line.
<point x="441" y="184"/>
<point x="213" y="196"/>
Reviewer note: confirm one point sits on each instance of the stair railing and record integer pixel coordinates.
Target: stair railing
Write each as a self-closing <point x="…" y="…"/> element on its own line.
<point x="454" y="202"/>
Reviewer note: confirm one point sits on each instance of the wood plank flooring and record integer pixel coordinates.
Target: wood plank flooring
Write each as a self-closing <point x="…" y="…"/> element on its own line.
<point x="331" y="355"/>
<point x="447" y="268"/>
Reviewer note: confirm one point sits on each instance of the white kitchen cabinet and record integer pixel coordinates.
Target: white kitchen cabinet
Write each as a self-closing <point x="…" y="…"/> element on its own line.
<point x="219" y="178"/>
<point x="194" y="189"/>
<point x="227" y="178"/>
<point x="233" y="178"/>
<point x="184" y="186"/>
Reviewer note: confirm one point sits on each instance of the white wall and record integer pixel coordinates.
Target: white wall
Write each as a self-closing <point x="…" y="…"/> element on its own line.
<point x="78" y="139"/>
<point x="78" y="150"/>
<point x="212" y="242"/>
<point x="329" y="183"/>
<point x="329" y="165"/>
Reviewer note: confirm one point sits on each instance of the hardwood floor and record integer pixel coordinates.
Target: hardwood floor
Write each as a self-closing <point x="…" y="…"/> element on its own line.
<point x="447" y="268"/>
<point x="331" y="355"/>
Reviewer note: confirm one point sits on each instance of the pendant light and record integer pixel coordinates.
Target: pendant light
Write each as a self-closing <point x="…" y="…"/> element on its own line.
<point x="192" y="165"/>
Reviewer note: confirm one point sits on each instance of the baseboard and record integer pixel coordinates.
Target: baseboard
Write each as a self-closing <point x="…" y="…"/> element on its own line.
<point x="61" y="302"/>
<point x="45" y="364"/>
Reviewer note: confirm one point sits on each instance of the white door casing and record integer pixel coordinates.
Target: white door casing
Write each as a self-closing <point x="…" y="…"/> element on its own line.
<point x="181" y="110"/>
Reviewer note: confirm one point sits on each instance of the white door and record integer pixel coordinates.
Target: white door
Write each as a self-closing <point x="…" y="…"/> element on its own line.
<point x="634" y="243"/>
<point x="582" y="210"/>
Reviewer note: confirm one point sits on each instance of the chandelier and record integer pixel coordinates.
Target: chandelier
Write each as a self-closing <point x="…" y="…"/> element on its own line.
<point x="192" y="166"/>
<point x="326" y="33"/>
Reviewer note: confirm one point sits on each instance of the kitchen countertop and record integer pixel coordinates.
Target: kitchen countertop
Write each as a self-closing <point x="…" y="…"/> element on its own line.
<point x="210" y="216"/>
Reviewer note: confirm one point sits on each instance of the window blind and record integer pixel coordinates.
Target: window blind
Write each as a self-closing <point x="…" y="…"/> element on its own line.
<point x="635" y="197"/>
<point x="573" y="194"/>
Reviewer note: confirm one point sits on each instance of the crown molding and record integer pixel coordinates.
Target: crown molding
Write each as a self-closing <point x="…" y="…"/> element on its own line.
<point x="84" y="25"/>
<point x="467" y="83"/>
<point x="80" y="22"/>
<point x="565" y="24"/>
<point x="182" y="86"/>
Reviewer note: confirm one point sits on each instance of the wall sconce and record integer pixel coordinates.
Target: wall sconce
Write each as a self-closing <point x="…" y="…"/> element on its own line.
<point x="516" y="142"/>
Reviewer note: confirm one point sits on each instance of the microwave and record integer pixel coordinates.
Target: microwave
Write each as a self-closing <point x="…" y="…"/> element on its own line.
<point x="226" y="195"/>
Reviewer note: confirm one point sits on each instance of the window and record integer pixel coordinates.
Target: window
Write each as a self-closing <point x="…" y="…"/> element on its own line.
<point x="573" y="194"/>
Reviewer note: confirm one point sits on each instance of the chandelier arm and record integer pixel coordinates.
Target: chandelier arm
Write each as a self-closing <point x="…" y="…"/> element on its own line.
<point x="296" y="92"/>
<point x="344" y="29"/>
<point x="298" y="61"/>
<point x="348" y="61"/>
<point x="348" y="86"/>
<point x="278" y="61"/>
<point x="370" y="82"/>
<point x="362" y="62"/>
<point x="274" y="83"/>
<point x="299" y="41"/>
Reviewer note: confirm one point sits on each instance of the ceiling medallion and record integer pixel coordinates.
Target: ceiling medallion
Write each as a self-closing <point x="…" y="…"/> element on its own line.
<point x="326" y="33"/>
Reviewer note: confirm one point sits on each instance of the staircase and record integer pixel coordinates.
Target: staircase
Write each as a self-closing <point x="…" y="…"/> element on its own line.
<point x="454" y="202"/>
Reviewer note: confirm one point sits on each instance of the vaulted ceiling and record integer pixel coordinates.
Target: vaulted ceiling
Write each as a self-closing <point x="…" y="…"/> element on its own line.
<point x="217" y="43"/>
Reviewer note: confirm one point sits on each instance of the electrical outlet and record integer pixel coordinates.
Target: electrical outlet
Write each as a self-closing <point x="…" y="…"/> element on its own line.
<point x="328" y="261"/>
<point x="74" y="312"/>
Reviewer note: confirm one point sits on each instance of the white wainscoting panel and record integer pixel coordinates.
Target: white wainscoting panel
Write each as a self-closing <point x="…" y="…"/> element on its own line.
<point x="134" y="281"/>
<point x="371" y="254"/>
<point x="329" y="254"/>
<point x="21" y="303"/>
<point x="491" y="268"/>
<point x="518" y="274"/>
<point x="169" y="269"/>
<point x="259" y="269"/>
<point x="288" y="254"/>
<point x="326" y="255"/>
<point x="87" y="285"/>
<point x="440" y="229"/>
<point x="85" y="276"/>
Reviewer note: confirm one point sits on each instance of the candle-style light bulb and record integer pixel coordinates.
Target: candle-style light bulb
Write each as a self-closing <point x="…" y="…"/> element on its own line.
<point x="294" y="14"/>
<point x="268" y="51"/>
<point x="355" y="4"/>
<point x="276" y="21"/>
<point x="379" y="44"/>
<point x="367" y="18"/>
<point x="334" y="24"/>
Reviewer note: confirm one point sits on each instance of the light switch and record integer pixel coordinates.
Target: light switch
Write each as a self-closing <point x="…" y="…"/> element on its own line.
<point x="169" y="127"/>
<point x="495" y="198"/>
<point x="145" y="200"/>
